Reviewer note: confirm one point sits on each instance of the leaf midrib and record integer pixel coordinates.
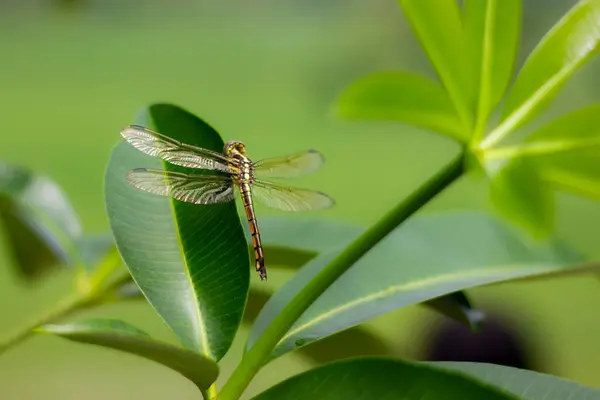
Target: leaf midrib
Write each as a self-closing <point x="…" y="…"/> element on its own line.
<point x="204" y="342"/>
<point x="539" y="148"/>
<point x="205" y="346"/>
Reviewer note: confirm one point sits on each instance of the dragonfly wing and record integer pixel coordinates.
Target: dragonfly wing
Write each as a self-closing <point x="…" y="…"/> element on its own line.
<point x="291" y="166"/>
<point x="191" y="188"/>
<point x="173" y="151"/>
<point x="290" y="199"/>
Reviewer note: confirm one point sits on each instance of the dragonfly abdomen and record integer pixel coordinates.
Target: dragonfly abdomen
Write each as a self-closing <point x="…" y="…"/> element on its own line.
<point x="258" y="250"/>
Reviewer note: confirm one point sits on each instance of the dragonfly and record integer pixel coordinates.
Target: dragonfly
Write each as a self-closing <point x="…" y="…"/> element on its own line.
<point x="230" y="169"/>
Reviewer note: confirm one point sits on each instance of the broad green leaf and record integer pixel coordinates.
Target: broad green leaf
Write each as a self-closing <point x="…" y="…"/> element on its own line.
<point x="562" y="51"/>
<point x="295" y="241"/>
<point x="404" y="97"/>
<point x="330" y="348"/>
<point x="257" y="297"/>
<point x="438" y="27"/>
<point x="520" y="195"/>
<point x="190" y="261"/>
<point x="430" y="256"/>
<point x="527" y="385"/>
<point x="492" y="31"/>
<point x="121" y="336"/>
<point x="38" y="220"/>
<point x="371" y="378"/>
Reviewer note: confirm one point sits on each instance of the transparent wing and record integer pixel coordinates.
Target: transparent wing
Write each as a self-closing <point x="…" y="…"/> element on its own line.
<point x="290" y="199"/>
<point x="173" y="151"/>
<point x="291" y="166"/>
<point x="191" y="188"/>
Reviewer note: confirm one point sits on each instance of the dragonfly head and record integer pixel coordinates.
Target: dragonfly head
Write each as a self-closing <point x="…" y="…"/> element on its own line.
<point x="234" y="147"/>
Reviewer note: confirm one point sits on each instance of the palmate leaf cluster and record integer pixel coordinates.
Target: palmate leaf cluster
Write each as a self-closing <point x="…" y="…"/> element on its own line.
<point x="473" y="49"/>
<point x="197" y="278"/>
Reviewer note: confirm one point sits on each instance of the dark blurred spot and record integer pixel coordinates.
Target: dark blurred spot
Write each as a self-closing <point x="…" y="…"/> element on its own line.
<point x="497" y="342"/>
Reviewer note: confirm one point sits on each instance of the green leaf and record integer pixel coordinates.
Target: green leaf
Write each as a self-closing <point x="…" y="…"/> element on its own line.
<point x="330" y="348"/>
<point x="527" y="385"/>
<point x="404" y="97"/>
<point x="295" y="241"/>
<point x="257" y="298"/>
<point x="562" y="51"/>
<point x="492" y="29"/>
<point x="520" y="195"/>
<point x="430" y="256"/>
<point x="383" y="379"/>
<point x="38" y="220"/>
<point x="121" y="336"/>
<point x="438" y="26"/>
<point x="190" y="261"/>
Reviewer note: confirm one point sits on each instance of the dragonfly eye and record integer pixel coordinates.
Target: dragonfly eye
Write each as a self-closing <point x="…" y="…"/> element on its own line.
<point x="234" y="147"/>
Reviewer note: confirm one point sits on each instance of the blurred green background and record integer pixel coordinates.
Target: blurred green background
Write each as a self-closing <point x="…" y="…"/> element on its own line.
<point x="73" y="73"/>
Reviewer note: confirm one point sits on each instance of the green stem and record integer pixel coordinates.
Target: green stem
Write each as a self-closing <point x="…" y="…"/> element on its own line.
<point x="62" y="309"/>
<point x="256" y="357"/>
<point x="210" y="393"/>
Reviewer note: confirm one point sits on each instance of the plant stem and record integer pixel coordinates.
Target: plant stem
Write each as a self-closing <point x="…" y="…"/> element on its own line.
<point x="255" y="358"/>
<point x="63" y="308"/>
<point x="210" y="393"/>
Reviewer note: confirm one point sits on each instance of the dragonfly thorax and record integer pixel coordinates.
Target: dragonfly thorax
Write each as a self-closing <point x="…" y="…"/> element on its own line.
<point x="233" y="148"/>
